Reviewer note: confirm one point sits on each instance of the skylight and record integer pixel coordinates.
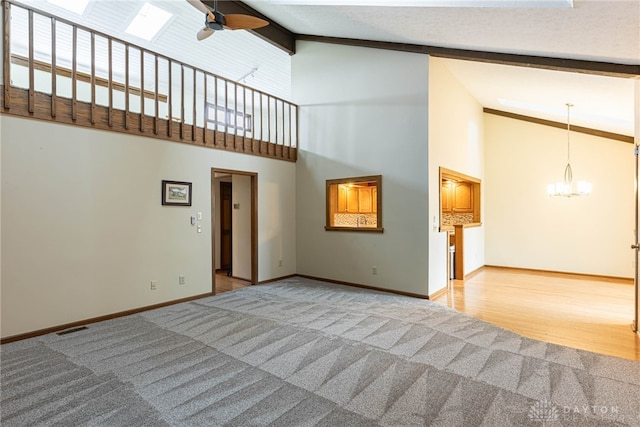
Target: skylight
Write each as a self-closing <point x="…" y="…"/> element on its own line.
<point x="75" y="6"/>
<point x="148" y="22"/>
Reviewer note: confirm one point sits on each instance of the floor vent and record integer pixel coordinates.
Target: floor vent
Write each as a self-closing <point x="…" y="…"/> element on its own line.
<point x="70" y="331"/>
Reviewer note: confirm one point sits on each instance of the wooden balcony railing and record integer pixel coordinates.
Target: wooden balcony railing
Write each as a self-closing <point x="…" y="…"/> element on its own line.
<point x="59" y="71"/>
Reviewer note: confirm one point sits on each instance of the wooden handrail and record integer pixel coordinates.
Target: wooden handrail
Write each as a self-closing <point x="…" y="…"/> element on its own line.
<point x="247" y="128"/>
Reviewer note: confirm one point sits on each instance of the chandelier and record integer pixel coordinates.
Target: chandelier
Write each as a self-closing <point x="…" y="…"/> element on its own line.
<point x="566" y="187"/>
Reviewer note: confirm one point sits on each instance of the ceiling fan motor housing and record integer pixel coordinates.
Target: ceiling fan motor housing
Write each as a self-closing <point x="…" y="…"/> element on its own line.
<point x="219" y="22"/>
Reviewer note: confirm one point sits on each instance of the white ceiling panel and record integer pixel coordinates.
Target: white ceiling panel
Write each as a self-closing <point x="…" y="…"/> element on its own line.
<point x="604" y="103"/>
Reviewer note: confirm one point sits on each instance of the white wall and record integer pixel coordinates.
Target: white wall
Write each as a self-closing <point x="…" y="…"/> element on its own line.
<point x="363" y="112"/>
<point x="84" y="233"/>
<point x="456" y="142"/>
<point x="526" y="228"/>
<point x="241" y="220"/>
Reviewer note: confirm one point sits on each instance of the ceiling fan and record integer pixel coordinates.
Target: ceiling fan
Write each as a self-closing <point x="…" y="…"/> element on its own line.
<point x="215" y="21"/>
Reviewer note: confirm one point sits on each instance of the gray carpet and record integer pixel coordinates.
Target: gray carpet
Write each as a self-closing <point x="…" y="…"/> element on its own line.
<point x="305" y="353"/>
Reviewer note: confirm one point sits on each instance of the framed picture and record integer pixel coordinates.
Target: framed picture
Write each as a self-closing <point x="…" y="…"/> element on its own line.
<point x="176" y="193"/>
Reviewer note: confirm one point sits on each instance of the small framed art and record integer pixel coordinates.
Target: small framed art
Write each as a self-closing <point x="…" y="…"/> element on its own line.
<point x="176" y="193"/>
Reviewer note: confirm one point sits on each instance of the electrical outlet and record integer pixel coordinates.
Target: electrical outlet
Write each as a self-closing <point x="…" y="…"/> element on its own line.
<point x="181" y="280"/>
<point x="374" y="270"/>
<point x="154" y="285"/>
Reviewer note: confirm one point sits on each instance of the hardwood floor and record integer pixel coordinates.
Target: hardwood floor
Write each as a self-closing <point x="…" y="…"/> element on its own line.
<point x="225" y="283"/>
<point x="585" y="312"/>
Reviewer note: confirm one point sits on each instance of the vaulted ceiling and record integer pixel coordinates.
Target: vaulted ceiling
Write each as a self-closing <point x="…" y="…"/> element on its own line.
<point x="598" y="32"/>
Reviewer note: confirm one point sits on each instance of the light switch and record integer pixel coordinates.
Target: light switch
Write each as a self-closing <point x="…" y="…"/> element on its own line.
<point x="236" y="206"/>
<point x="199" y="214"/>
<point x="199" y="229"/>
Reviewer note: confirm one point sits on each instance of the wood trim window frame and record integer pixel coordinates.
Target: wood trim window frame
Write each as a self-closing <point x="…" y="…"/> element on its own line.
<point x="331" y="203"/>
<point x="476" y="183"/>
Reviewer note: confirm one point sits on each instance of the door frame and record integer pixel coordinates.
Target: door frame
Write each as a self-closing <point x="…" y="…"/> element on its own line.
<point x="254" y="222"/>
<point x="636" y="244"/>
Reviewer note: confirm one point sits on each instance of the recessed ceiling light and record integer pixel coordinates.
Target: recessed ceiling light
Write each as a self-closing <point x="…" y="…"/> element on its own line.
<point x="148" y="22"/>
<point x="75" y="6"/>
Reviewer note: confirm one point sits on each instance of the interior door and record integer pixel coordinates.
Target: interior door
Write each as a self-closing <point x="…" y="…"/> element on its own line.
<point x="225" y="226"/>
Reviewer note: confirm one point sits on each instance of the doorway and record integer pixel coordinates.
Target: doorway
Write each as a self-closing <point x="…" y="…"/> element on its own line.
<point x="234" y="207"/>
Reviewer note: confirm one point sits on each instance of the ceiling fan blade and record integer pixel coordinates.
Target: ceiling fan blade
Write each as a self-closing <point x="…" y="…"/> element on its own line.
<point x="199" y="5"/>
<point x="243" y="22"/>
<point x="204" y="33"/>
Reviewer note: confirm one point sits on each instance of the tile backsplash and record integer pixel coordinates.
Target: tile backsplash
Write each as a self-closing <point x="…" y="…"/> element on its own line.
<point x="351" y="220"/>
<point x="457" y="218"/>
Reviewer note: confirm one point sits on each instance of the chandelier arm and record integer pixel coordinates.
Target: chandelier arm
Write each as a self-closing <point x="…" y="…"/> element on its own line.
<point x="568" y="174"/>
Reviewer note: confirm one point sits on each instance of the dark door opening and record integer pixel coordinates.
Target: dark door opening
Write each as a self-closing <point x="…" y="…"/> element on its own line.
<point x="226" y="228"/>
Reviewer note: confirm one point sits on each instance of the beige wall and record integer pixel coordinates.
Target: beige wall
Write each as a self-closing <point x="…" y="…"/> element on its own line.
<point x="363" y="112"/>
<point x="241" y="222"/>
<point x="456" y="142"/>
<point x="84" y="233"/>
<point x="526" y="228"/>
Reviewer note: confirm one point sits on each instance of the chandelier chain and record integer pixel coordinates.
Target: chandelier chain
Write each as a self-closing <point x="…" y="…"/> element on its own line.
<point x="569" y="132"/>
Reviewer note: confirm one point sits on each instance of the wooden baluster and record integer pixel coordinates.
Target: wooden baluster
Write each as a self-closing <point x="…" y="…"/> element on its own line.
<point x="235" y="114"/>
<point x="126" y="86"/>
<point x="110" y="83"/>
<point x="269" y="124"/>
<point x="226" y="112"/>
<point x="54" y="69"/>
<point x="205" y="109"/>
<point x="290" y="133"/>
<point x="279" y="128"/>
<point x="297" y="127"/>
<point x="244" y="118"/>
<point x="156" y="102"/>
<point x="6" y="50"/>
<point x="182" y="101"/>
<point x="32" y="92"/>
<point x="141" y="90"/>
<point x="252" y="121"/>
<point x="194" y="113"/>
<point x="215" y="110"/>
<point x="92" y="82"/>
<point x="170" y="100"/>
<point x="74" y="81"/>
<point x="261" y="124"/>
